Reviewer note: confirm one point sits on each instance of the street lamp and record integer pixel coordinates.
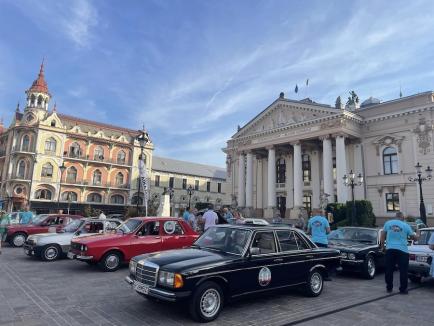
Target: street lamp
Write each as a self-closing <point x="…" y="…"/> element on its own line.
<point x="143" y="139"/>
<point x="351" y="181"/>
<point x="420" y="179"/>
<point x="31" y="180"/>
<point x="190" y="192"/>
<point x="62" y="169"/>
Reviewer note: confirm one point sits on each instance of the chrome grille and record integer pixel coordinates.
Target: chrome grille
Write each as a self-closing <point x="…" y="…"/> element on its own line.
<point x="75" y="246"/>
<point x="147" y="273"/>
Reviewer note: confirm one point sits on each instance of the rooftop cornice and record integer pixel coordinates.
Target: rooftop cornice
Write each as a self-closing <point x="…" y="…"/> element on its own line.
<point x="401" y="113"/>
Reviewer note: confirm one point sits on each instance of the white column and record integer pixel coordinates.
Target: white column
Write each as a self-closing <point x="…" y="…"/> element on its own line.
<point x="298" y="176"/>
<point x="327" y="168"/>
<point x="359" y="192"/>
<point x="289" y="183"/>
<point x="271" y="177"/>
<point x="249" y="180"/>
<point x="316" y="181"/>
<point x="259" y="184"/>
<point x="241" y="182"/>
<point x="341" y="167"/>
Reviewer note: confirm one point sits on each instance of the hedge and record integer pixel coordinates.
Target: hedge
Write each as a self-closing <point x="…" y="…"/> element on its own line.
<point x="342" y="213"/>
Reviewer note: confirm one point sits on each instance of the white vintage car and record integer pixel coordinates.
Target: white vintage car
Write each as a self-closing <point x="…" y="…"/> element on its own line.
<point x="421" y="256"/>
<point x="52" y="246"/>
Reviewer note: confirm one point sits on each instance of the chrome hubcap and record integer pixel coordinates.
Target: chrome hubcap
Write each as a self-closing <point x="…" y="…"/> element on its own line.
<point x="316" y="282"/>
<point x="112" y="261"/>
<point x="19" y="240"/>
<point x="371" y="267"/>
<point x="51" y="253"/>
<point x="210" y="303"/>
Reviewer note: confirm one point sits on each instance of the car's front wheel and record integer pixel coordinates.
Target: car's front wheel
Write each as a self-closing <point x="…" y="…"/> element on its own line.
<point x="111" y="261"/>
<point x="315" y="283"/>
<point x="50" y="252"/>
<point x="18" y="239"/>
<point x="207" y="302"/>
<point x="369" y="268"/>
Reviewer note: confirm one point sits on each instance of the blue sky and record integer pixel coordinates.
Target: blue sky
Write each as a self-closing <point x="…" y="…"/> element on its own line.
<point x="191" y="71"/>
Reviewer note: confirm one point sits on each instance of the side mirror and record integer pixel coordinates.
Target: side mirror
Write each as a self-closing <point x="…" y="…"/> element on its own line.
<point x="78" y="232"/>
<point x="254" y="251"/>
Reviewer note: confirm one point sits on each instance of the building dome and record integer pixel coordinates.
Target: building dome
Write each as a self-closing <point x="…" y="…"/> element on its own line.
<point x="370" y="101"/>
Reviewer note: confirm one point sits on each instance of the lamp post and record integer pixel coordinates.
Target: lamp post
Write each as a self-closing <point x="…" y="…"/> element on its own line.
<point x="143" y="139"/>
<point x="31" y="181"/>
<point x="420" y="179"/>
<point x="351" y="181"/>
<point x="62" y="169"/>
<point x="190" y="192"/>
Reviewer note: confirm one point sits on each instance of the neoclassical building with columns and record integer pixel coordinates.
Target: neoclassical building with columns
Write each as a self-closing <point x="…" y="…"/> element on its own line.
<point x="295" y="153"/>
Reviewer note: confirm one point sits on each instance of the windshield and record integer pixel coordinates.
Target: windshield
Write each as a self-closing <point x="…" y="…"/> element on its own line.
<point x="424" y="237"/>
<point x="354" y="234"/>
<point x="73" y="225"/>
<point x="229" y="240"/>
<point x="38" y="219"/>
<point x="129" y="225"/>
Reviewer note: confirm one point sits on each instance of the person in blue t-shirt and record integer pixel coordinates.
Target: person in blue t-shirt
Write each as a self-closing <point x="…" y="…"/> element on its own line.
<point x="318" y="226"/>
<point x="186" y="214"/>
<point x="26" y="216"/>
<point x="395" y="236"/>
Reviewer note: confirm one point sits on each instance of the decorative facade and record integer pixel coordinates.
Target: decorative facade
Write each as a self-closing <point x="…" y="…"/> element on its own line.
<point x="295" y="153"/>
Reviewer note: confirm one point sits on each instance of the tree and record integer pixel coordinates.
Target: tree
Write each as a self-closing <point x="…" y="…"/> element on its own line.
<point x="338" y="103"/>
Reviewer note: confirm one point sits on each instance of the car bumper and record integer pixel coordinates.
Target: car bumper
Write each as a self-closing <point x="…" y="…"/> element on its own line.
<point x="420" y="269"/>
<point x="162" y="294"/>
<point x="32" y="250"/>
<point x="352" y="263"/>
<point x="80" y="257"/>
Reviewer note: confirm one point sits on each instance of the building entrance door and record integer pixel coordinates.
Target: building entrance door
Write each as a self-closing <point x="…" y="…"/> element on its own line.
<point x="281" y="205"/>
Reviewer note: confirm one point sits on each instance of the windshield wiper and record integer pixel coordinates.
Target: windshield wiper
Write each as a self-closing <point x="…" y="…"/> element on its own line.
<point x="196" y="246"/>
<point x="215" y="249"/>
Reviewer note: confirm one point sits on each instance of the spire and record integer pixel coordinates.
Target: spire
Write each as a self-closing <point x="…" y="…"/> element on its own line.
<point x="55" y="107"/>
<point x="40" y="85"/>
<point x="18" y="107"/>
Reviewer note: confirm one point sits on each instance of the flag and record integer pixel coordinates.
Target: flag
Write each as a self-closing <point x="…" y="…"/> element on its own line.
<point x="143" y="180"/>
<point x="307" y="82"/>
<point x="296" y="88"/>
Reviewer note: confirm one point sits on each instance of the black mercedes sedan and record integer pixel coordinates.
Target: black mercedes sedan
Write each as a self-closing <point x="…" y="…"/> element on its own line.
<point x="360" y="249"/>
<point x="229" y="262"/>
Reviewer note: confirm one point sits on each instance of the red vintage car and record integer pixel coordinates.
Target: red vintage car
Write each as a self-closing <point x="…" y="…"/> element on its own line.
<point x="44" y="223"/>
<point x="135" y="236"/>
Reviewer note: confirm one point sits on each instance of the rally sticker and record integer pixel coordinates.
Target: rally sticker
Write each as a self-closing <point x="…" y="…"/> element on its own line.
<point x="264" y="277"/>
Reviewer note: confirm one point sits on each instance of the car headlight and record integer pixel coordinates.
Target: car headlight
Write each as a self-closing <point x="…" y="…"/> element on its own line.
<point x="170" y="279"/>
<point x="133" y="266"/>
<point x="83" y="248"/>
<point x="352" y="256"/>
<point x="344" y="255"/>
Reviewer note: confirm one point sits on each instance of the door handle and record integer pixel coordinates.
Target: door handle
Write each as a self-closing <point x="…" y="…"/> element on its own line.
<point x="278" y="260"/>
<point x="309" y="256"/>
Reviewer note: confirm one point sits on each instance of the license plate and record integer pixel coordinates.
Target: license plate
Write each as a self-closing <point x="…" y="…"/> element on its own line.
<point x="70" y="255"/>
<point x="422" y="259"/>
<point x="142" y="288"/>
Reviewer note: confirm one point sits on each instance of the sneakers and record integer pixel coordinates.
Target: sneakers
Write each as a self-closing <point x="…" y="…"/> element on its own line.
<point x="389" y="290"/>
<point x="403" y="291"/>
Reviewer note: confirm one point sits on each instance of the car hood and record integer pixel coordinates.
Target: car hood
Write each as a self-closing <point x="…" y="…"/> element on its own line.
<point x="180" y="260"/>
<point x="414" y="249"/>
<point x="51" y="235"/>
<point x="350" y="245"/>
<point x="91" y="238"/>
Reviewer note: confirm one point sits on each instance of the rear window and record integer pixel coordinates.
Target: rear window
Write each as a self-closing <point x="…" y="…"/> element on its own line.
<point x="424" y="237"/>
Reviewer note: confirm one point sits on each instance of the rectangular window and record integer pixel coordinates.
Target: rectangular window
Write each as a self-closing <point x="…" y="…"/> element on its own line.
<point x="307" y="202"/>
<point x="306" y="168"/>
<point x="219" y="187"/>
<point x="157" y="181"/>
<point x="184" y="183"/>
<point x="392" y="202"/>
<point x="208" y="186"/>
<point x="196" y="184"/>
<point x="265" y="242"/>
<point x="171" y="182"/>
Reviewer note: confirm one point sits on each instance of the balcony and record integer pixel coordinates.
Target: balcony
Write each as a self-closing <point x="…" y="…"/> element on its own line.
<point x="86" y="183"/>
<point x="87" y="158"/>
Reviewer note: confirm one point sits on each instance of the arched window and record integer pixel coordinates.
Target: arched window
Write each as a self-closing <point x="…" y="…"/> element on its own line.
<point x="305" y="158"/>
<point x="71" y="174"/>
<point x="280" y="171"/>
<point x="117" y="199"/>
<point x="69" y="196"/>
<point x="134" y="200"/>
<point x="25" y="145"/>
<point x="33" y="100"/>
<point x="40" y="99"/>
<point x="390" y="160"/>
<point x="97" y="177"/>
<point x="98" y="154"/>
<point x="94" y="198"/>
<point x="50" y="145"/>
<point x="121" y="157"/>
<point x="74" y="150"/>
<point x="21" y="169"/>
<point x="119" y="179"/>
<point x="43" y="194"/>
<point x="47" y="170"/>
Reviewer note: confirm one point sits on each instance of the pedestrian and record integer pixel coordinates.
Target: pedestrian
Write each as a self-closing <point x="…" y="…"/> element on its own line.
<point x="210" y="218"/>
<point x="395" y="236"/>
<point x="277" y="219"/>
<point x="26" y="216"/>
<point x="102" y="216"/>
<point x="5" y="220"/>
<point x="301" y="223"/>
<point x="227" y="215"/>
<point x="192" y="220"/>
<point x="431" y="246"/>
<point x="318" y="227"/>
<point x="186" y="214"/>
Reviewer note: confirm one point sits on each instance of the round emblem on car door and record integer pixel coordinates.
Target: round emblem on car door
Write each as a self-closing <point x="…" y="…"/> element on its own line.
<point x="264" y="276"/>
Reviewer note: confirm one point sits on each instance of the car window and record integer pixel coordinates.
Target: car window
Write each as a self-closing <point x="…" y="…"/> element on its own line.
<point x="149" y="228"/>
<point x="50" y="221"/>
<point x="111" y="225"/>
<point x="425" y="235"/>
<point x="265" y="242"/>
<point x="287" y="240"/>
<point x="172" y="228"/>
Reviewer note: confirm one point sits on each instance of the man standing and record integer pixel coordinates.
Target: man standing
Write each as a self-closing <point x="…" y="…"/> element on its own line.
<point x="26" y="216"/>
<point x="186" y="214"/>
<point x="318" y="227"/>
<point x="210" y="218"/>
<point x="227" y="215"/>
<point x="396" y="233"/>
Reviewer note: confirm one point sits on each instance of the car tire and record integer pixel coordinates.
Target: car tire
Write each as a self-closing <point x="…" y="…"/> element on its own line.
<point x="369" y="267"/>
<point x="207" y="302"/>
<point x="18" y="239"/>
<point x="111" y="261"/>
<point x="315" y="283"/>
<point x="51" y="252"/>
<point x="415" y="279"/>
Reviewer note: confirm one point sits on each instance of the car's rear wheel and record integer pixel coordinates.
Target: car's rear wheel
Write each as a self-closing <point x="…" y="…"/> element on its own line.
<point x="111" y="261"/>
<point x="51" y="252"/>
<point x="415" y="278"/>
<point x="18" y="239"/>
<point x="207" y="302"/>
<point x="315" y="283"/>
<point x="369" y="268"/>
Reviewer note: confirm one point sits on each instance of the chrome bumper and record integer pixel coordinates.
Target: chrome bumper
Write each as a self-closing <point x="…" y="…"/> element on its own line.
<point x="163" y="295"/>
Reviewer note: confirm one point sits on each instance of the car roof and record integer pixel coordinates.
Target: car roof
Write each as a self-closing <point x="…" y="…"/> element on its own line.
<point x="258" y="227"/>
<point x="359" y="227"/>
<point x="159" y="218"/>
<point x="431" y="228"/>
<point x="101" y="219"/>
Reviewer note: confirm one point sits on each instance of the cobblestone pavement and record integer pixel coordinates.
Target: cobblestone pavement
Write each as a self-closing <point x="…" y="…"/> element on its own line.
<point x="72" y="293"/>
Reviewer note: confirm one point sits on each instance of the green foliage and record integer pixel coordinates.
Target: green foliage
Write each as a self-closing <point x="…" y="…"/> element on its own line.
<point x="410" y="218"/>
<point x="87" y="211"/>
<point x="342" y="214"/>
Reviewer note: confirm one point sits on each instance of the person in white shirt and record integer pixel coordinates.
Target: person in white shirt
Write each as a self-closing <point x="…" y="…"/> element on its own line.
<point x="210" y="218"/>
